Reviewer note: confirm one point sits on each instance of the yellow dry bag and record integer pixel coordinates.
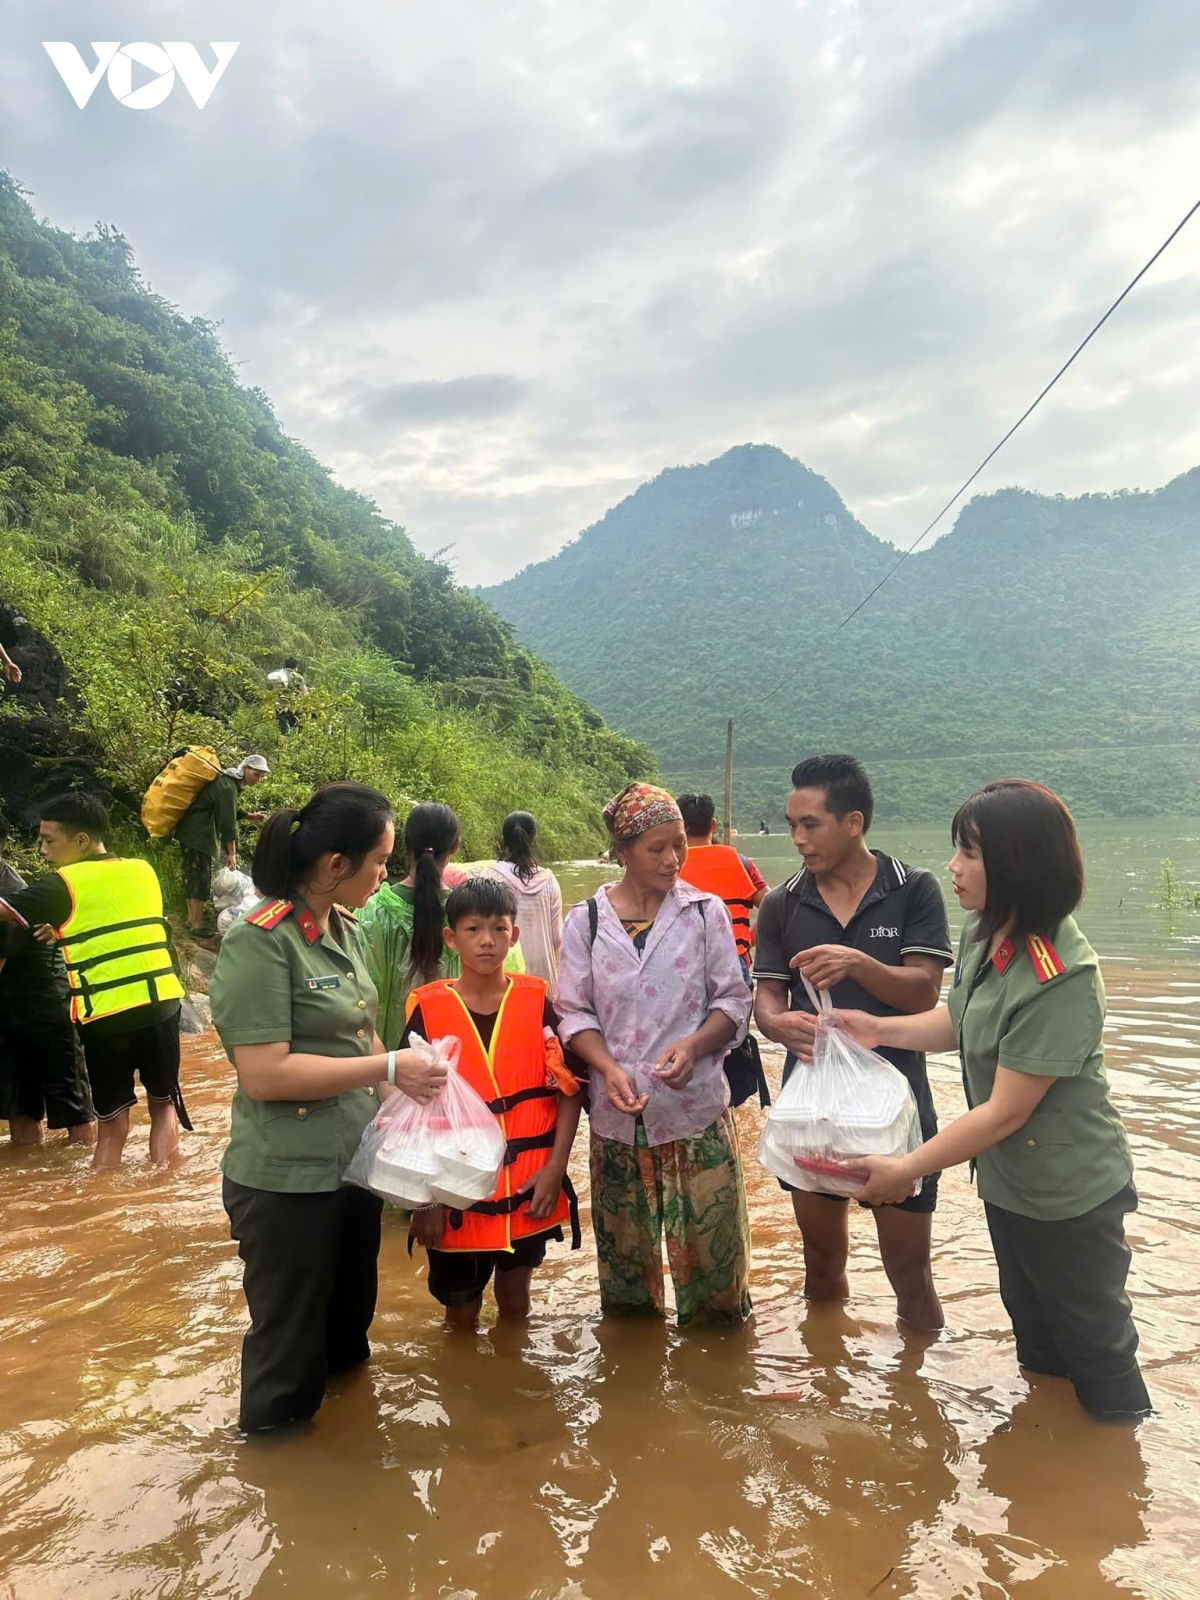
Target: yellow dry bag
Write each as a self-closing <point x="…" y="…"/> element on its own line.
<point x="176" y="786"/>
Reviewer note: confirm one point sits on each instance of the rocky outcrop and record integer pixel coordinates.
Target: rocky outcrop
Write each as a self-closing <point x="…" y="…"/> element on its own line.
<point x="41" y="753"/>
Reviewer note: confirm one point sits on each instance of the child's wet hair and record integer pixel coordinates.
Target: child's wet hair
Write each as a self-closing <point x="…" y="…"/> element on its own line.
<point x="483" y="896"/>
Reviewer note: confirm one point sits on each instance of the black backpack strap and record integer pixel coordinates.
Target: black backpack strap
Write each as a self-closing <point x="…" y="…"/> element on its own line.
<point x="593" y="919"/>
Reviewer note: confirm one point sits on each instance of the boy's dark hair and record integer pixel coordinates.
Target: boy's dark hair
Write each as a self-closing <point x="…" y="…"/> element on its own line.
<point x="291" y="663"/>
<point x="483" y="896"/>
<point x="699" y="812"/>
<point x="1031" y="855"/>
<point x="845" y="782"/>
<point x="78" y="811"/>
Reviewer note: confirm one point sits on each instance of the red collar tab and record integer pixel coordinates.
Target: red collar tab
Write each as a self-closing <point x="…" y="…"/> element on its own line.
<point x="1047" y="962"/>
<point x="309" y="926"/>
<point x="1004" y="956"/>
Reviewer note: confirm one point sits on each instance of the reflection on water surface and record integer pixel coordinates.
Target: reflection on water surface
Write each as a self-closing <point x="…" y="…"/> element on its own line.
<point x="820" y="1452"/>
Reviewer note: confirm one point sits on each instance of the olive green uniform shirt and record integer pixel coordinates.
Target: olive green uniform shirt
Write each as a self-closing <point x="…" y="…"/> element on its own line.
<point x="210" y="822"/>
<point x="1072" y="1153"/>
<point x="292" y="982"/>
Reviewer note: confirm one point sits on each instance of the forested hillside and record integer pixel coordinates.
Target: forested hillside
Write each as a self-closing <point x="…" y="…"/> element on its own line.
<point x="163" y="545"/>
<point x="1047" y="637"/>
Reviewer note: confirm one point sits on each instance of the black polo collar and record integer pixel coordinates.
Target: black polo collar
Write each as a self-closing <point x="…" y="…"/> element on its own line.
<point x="890" y="875"/>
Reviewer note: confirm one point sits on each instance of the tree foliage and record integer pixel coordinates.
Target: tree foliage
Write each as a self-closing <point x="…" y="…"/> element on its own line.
<point x="162" y="532"/>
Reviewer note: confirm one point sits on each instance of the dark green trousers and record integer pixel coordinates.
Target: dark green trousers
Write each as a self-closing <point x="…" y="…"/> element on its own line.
<point x="1063" y="1285"/>
<point x="310" y="1282"/>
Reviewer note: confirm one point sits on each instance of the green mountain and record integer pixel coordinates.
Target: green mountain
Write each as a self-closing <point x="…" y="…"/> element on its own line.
<point x="163" y="545"/>
<point x="1044" y="637"/>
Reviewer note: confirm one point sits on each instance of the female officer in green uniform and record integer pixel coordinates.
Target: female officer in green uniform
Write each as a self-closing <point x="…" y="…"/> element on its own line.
<point x="295" y="1008"/>
<point x="1026" y="1011"/>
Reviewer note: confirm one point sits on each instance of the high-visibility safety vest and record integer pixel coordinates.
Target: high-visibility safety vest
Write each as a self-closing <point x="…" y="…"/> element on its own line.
<point x="510" y="1075"/>
<point x="114" y="942"/>
<point x="718" y="869"/>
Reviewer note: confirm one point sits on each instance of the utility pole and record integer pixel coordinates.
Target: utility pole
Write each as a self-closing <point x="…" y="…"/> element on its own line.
<point x="728" y="778"/>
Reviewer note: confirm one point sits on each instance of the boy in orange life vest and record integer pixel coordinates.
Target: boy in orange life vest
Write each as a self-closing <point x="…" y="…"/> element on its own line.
<point x="512" y="1058"/>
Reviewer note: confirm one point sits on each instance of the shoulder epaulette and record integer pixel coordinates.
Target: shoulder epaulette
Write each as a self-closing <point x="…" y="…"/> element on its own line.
<point x="1047" y="963"/>
<point x="269" y="915"/>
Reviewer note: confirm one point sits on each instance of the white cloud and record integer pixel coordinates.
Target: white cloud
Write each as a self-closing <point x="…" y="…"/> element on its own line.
<point x="496" y="265"/>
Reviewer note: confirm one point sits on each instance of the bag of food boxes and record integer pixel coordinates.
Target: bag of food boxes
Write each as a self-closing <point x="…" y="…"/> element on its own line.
<point x="847" y="1102"/>
<point x="446" y="1151"/>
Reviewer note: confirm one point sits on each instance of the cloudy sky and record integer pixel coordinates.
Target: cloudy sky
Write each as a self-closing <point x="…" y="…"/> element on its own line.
<point x="498" y="261"/>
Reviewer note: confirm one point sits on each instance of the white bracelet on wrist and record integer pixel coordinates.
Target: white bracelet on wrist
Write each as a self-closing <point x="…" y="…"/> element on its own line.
<point x="391" y="1071"/>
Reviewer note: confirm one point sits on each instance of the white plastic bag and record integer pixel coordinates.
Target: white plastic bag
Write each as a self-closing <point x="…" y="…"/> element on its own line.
<point x="231" y="888"/>
<point x="847" y="1102"/>
<point x="447" y="1151"/>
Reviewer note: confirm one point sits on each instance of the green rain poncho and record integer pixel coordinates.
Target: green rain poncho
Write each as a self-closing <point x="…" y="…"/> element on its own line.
<point x="386" y="925"/>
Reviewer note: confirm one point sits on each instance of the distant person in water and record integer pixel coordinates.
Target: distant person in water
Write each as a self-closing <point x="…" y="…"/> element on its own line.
<point x="539" y="897"/>
<point x="721" y="870"/>
<point x="874" y="932"/>
<point x="1027" y="1012"/>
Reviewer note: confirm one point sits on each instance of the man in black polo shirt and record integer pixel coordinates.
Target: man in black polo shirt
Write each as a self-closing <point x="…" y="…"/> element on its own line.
<point x="874" y="932"/>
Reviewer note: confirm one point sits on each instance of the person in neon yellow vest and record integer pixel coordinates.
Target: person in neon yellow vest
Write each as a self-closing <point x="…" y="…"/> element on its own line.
<point x="107" y="914"/>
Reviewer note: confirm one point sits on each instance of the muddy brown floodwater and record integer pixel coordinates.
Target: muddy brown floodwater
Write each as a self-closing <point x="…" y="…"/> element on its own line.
<point x="819" y="1452"/>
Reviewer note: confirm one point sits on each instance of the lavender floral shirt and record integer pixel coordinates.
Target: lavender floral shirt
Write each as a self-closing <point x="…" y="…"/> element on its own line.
<point x="643" y="1003"/>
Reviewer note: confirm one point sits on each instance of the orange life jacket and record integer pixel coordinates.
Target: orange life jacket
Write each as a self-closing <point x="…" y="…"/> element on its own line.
<point x="718" y="869"/>
<point x="511" y="1076"/>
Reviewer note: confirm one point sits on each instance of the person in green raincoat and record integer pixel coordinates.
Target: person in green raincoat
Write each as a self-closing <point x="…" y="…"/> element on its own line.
<point x="401" y="925"/>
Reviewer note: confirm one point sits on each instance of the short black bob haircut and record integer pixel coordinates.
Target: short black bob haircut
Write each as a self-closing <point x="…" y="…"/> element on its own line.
<point x="78" y="812"/>
<point x="845" y="782"/>
<point x="1026" y="838"/>
<point x="481" y="896"/>
<point x="699" y="812"/>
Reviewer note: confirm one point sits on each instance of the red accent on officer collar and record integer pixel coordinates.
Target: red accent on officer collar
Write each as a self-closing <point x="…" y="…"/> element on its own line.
<point x="1004" y="955"/>
<point x="309" y="926"/>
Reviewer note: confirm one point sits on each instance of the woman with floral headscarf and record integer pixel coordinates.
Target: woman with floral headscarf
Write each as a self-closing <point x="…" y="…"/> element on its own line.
<point x="652" y="997"/>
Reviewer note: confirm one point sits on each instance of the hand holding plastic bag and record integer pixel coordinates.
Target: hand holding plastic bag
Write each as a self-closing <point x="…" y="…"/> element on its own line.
<point x="848" y="1102"/>
<point x="447" y="1151"/>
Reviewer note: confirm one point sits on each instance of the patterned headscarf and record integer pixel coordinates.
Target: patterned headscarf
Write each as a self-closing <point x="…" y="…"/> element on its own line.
<point x="638" y="807"/>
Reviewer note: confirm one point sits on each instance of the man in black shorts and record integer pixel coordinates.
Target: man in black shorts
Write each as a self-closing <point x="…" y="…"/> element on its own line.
<point x="42" y="1076"/>
<point x="874" y="933"/>
<point x="107" y="915"/>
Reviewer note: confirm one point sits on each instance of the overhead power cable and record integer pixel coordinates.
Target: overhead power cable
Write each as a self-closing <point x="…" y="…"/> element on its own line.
<point x="995" y="450"/>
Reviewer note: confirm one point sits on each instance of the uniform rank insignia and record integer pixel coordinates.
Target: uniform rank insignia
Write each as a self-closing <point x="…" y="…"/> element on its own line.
<point x="270" y="915"/>
<point x="1003" y="958"/>
<point x="1047" y="962"/>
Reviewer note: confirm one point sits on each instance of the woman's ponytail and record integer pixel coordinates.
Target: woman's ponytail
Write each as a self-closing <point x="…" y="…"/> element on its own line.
<point x="517" y="835"/>
<point x="430" y="834"/>
<point x="272" y="868"/>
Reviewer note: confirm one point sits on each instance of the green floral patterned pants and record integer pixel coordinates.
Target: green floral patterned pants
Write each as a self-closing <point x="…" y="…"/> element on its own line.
<point x="692" y="1191"/>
